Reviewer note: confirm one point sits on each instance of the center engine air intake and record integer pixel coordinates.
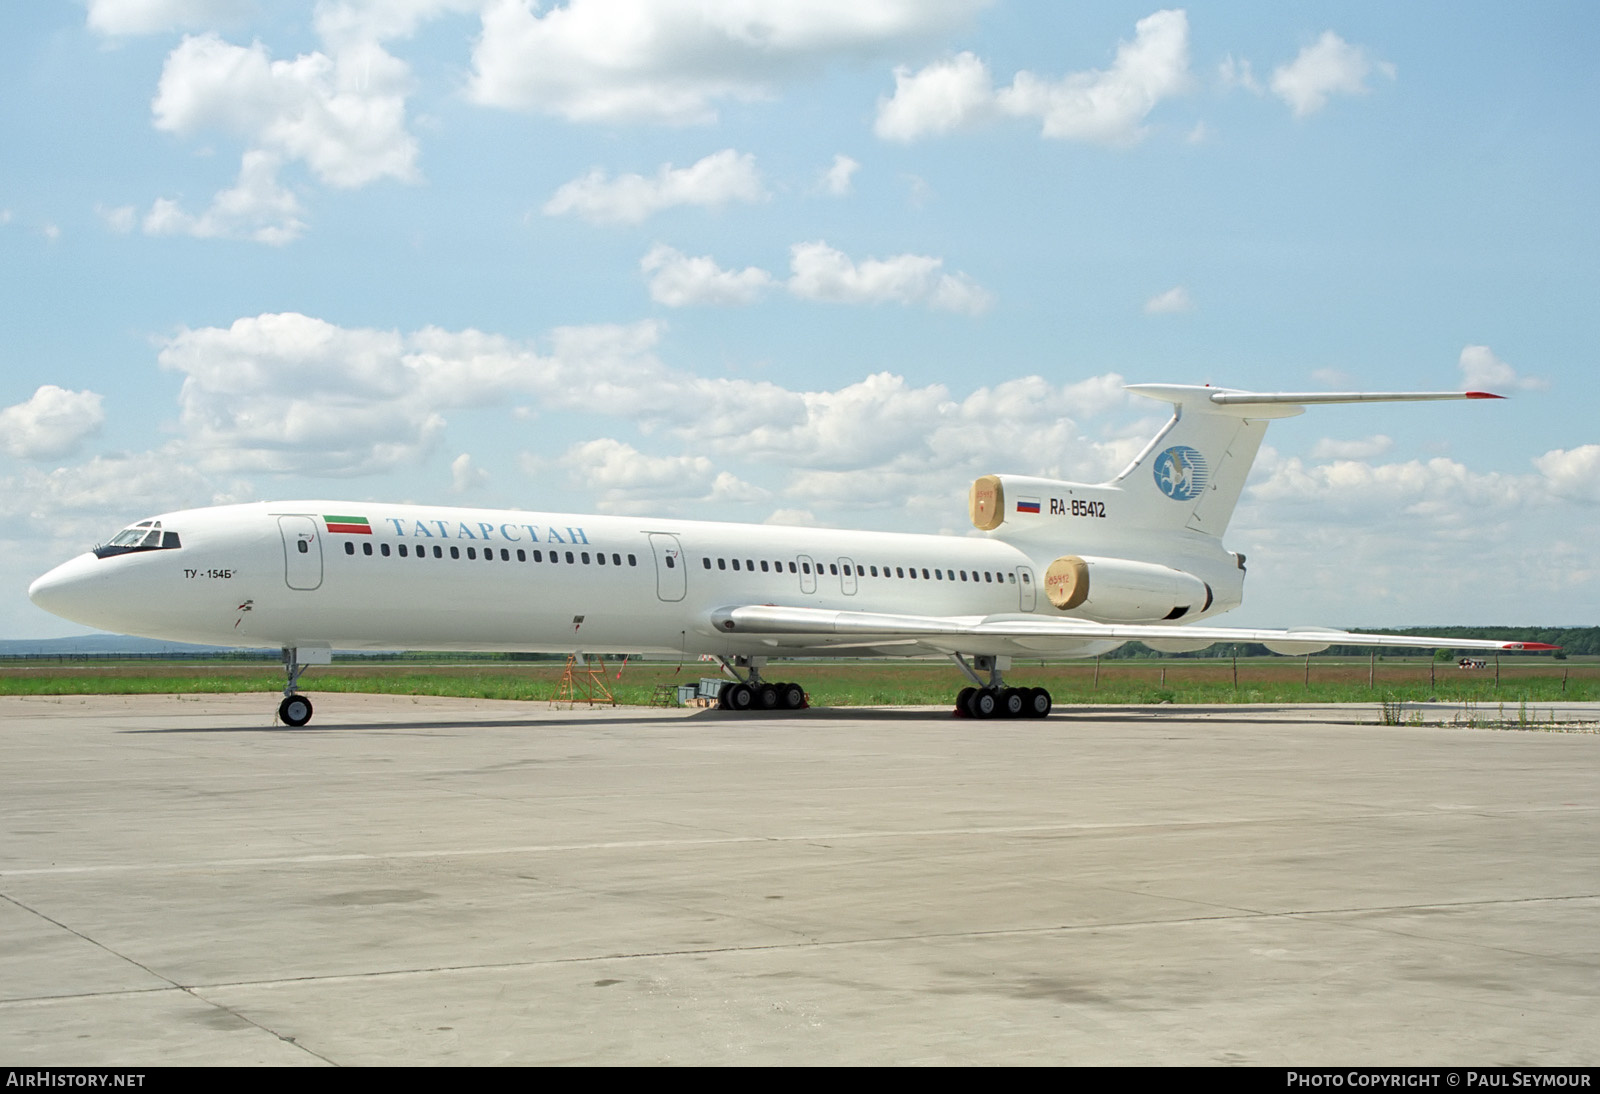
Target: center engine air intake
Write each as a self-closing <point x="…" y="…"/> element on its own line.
<point x="986" y="503"/>
<point x="1114" y="590"/>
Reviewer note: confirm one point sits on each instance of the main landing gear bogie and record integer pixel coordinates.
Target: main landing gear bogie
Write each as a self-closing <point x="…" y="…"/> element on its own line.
<point x="761" y="696"/>
<point x="1003" y="703"/>
<point x="995" y="699"/>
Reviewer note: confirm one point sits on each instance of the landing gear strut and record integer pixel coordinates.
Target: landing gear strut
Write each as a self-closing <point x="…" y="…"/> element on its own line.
<point x="750" y="692"/>
<point x="995" y="699"/>
<point x="295" y="710"/>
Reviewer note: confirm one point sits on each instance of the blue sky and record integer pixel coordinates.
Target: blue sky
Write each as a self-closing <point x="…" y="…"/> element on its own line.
<point x="817" y="263"/>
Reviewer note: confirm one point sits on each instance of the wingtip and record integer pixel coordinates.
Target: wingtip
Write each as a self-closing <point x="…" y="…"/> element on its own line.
<point x="1483" y="395"/>
<point x="1529" y="646"/>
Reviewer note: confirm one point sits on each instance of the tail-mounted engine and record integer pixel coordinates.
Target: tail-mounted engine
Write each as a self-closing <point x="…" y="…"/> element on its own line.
<point x="1022" y="502"/>
<point x="1114" y="590"/>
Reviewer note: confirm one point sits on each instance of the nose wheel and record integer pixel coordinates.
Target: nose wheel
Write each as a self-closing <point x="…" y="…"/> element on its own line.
<point x="295" y="710"/>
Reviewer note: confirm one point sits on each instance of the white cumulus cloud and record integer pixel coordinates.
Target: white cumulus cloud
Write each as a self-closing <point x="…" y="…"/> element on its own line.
<point x="1330" y="66"/>
<point x="293" y="394"/>
<point x="343" y="116"/>
<point x="836" y="180"/>
<point x="290" y="393"/>
<point x="1481" y="370"/>
<point x="630" y="481"/>
<point x="820" y="272"/>
<point x="1106" y="106"/>
<point x="718" y="179"/>
<point x="344" y="21"/>
<point x="945" y="96"/>
<point x="1572" y="473"/>
<point x="126" y="17"/>
<point x="678" y="280"/>
<point x="54" y="422"/>
<point x="672" y="63"/>
<point x="258" y="208"/>
<point x="465" y="475"/>
<point x="339" y="111"/>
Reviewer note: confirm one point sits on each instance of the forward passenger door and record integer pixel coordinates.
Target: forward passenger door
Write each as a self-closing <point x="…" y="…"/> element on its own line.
<point x="302" y="553"/>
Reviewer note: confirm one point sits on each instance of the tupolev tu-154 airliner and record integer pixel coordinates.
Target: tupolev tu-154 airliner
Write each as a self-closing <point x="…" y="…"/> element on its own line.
<point x="1062" y="569"/>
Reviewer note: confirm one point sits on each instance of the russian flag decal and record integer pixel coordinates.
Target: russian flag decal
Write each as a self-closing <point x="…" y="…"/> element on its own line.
<point x="1027" y="505"/>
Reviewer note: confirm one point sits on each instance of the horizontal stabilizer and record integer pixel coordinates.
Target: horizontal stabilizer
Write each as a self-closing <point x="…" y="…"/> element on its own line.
<point x="1190" y="476"/>
<point x="1306" y="398"/>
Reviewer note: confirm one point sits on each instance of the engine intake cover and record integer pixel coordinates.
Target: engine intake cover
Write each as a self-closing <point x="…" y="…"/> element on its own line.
<point x="986" y="503"/>
<point x="1066" y="582"/>
<point x="1116" y="590"/>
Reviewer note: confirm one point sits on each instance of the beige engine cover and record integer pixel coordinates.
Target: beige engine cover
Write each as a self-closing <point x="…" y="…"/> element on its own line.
<point x="986" y="503"/>
<point x="1114" y="590"/>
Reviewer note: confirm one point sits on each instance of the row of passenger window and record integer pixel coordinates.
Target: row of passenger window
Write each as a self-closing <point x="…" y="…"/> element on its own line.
<point x="573" y="558"/>
<point x="835" y="568"/>
<point x="584" y="558"/>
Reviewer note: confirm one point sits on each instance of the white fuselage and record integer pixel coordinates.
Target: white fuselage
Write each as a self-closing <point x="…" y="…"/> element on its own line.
<point x="428" y="577"/>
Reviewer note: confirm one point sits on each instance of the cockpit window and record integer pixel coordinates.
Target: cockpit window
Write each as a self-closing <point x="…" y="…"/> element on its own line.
<point x="147" y="535"/>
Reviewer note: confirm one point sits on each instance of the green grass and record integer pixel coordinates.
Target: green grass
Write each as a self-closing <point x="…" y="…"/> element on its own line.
<point x="885" y="683"/>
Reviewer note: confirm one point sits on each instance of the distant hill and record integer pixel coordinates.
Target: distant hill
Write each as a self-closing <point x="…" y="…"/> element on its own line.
<point x="103" y="644"/>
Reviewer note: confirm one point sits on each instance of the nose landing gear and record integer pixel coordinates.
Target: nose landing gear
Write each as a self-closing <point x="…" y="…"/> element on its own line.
<point x="295" y="710"/>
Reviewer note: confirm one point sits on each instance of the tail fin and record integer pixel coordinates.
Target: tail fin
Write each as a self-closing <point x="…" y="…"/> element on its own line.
<point x="1192" y="473"/>
<point x="1187" y="479"/>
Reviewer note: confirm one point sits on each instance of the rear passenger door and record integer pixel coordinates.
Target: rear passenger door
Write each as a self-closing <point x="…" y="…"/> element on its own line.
<point x="808" y="574"/>
<point x="672" y="577"/>
<point x="1025" y="589"/>
<point x="847" y="576"/>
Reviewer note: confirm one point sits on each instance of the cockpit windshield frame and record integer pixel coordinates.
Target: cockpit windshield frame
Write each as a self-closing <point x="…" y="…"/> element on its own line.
<point x="147" y="535"/>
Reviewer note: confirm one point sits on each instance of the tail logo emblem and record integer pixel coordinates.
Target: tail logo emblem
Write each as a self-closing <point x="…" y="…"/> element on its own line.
<point x="1180" y="471"/>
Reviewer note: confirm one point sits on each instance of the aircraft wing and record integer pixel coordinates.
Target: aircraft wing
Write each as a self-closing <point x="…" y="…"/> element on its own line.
<point x="826" y="628"/>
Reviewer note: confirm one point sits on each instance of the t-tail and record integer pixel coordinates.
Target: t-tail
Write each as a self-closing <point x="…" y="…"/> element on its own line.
<point x="1186" y="480"/>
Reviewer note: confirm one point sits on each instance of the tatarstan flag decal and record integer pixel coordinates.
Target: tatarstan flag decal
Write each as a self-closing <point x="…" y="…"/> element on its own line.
<point x="356" y="525"/>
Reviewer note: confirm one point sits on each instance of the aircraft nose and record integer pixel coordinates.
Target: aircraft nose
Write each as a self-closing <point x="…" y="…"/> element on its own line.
<point x="67" y="590"/>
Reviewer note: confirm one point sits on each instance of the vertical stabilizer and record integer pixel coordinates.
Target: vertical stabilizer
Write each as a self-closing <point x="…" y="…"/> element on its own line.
<point x="1192" y="473"/>
<point x="1187" y="480"/>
